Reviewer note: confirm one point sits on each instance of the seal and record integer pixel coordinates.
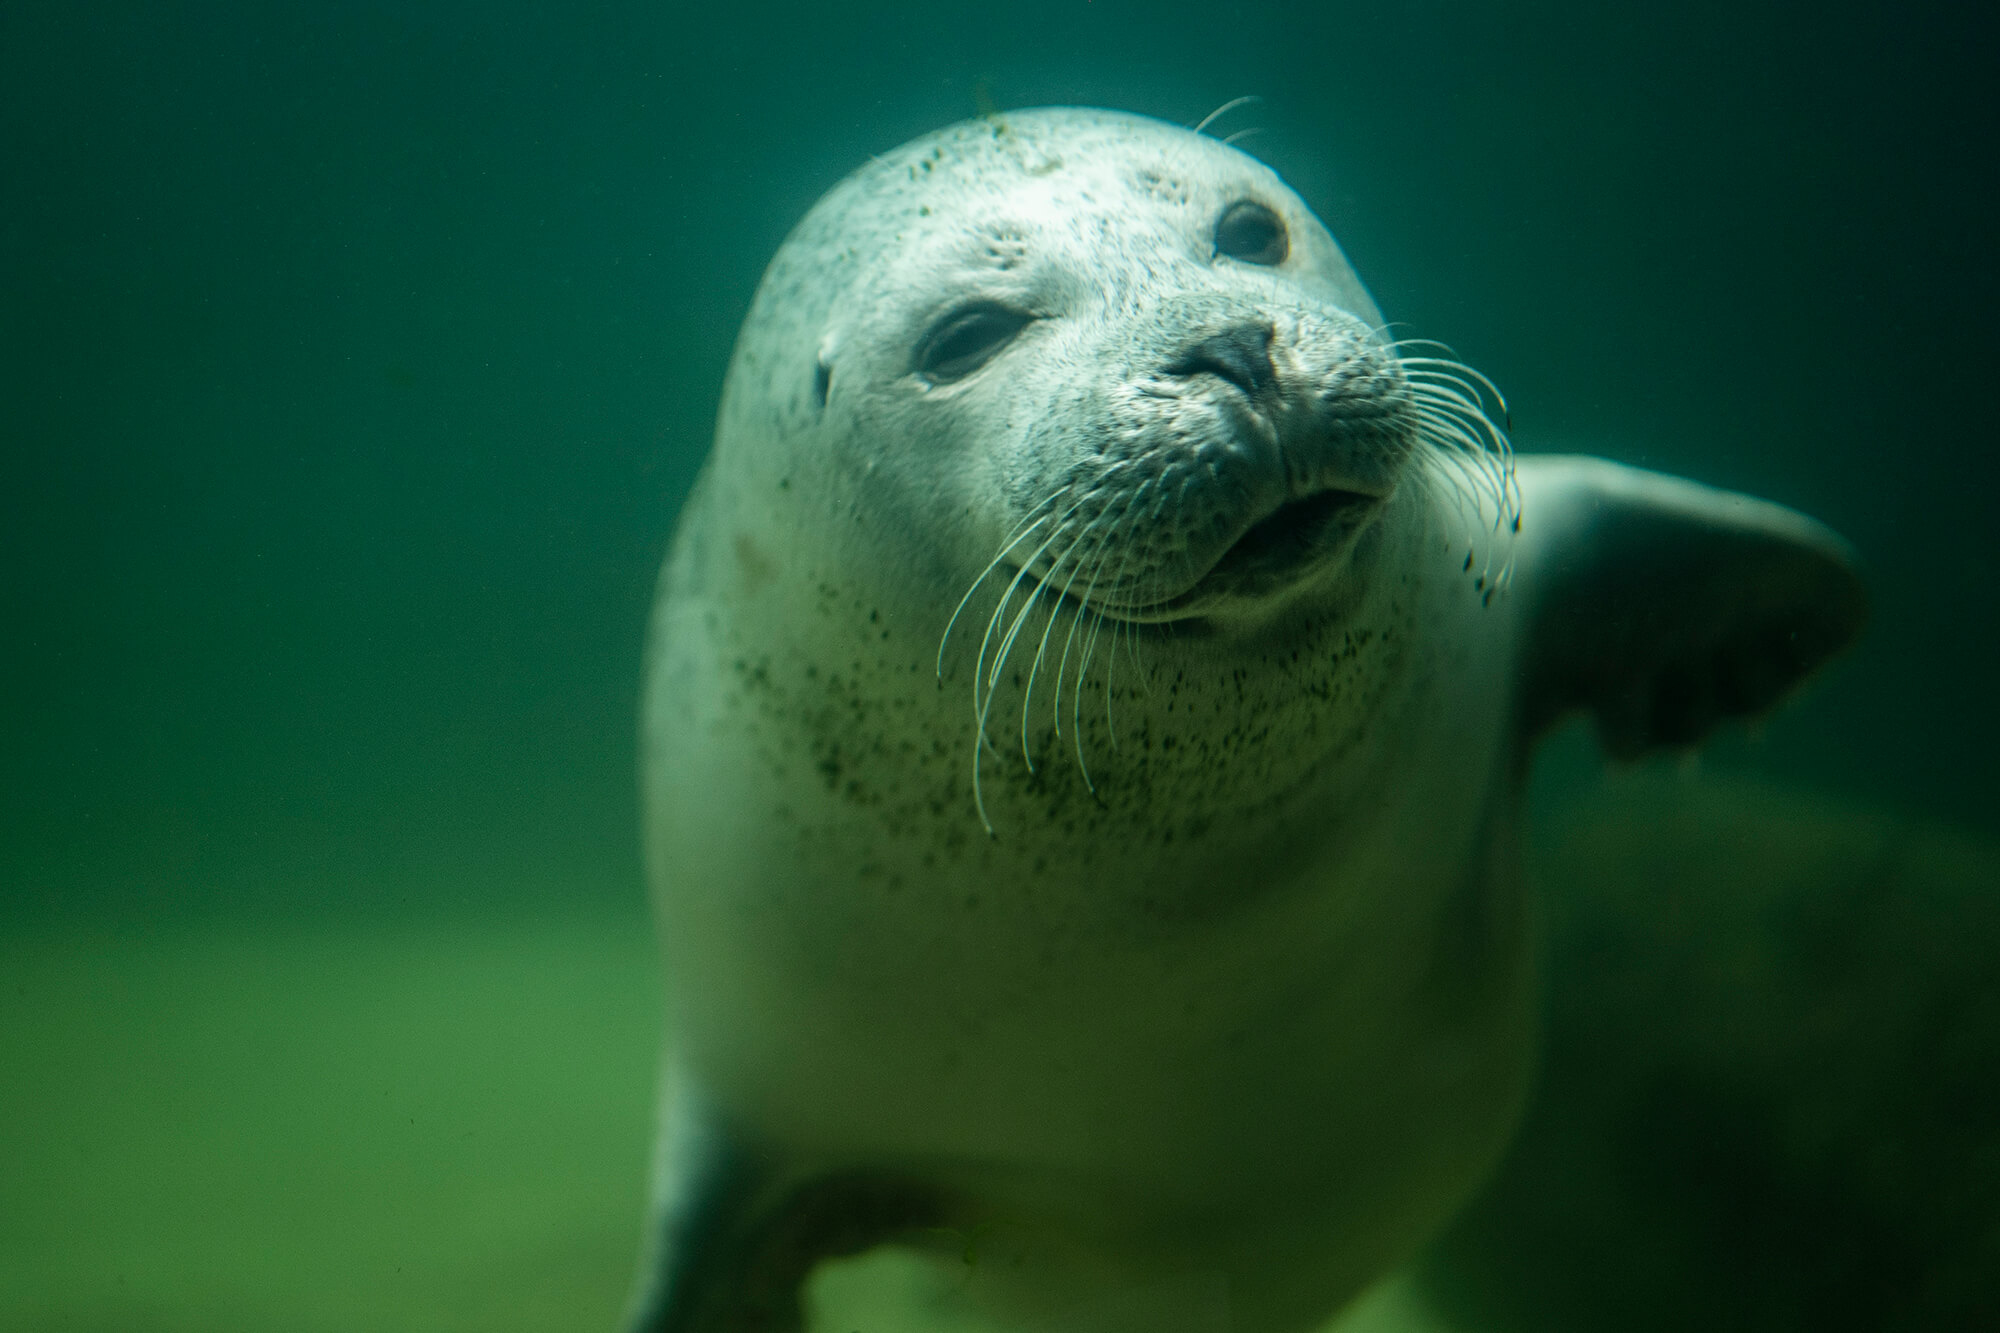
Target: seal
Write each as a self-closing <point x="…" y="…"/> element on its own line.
<point x="1087" y="704"/>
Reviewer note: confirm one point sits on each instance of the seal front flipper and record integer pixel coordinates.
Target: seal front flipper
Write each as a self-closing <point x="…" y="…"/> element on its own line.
<point x="1662" y="607"/>
<point x="736" y="1226"/>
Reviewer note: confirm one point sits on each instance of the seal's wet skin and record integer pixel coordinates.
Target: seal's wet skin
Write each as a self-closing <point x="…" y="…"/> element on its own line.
<point x="1086" y="709"/>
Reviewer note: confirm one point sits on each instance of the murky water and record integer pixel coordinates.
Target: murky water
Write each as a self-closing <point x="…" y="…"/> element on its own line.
<point x="356" y="359"/>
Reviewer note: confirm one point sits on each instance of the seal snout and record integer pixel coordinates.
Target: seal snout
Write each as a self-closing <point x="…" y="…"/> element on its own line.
<point x="1239" y="354"/>
<point x="1246" y="453"/>
<point x="1326" y="427"/>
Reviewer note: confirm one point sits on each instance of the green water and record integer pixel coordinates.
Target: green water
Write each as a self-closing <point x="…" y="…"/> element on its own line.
<point x="355" y="1123"/>
<point x="355" y="359"/>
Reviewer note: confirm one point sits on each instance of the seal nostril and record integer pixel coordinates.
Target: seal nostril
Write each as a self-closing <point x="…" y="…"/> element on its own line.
<point x="1240" y="354"/>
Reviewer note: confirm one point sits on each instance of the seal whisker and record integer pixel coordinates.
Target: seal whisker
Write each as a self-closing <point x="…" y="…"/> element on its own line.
<point x="1034" y="593"/>
<point x="985" y="709"/>
<point x="1224" y="110"/>
<point x="990" y="676"/>
<point x="1042" y="648"/>
<point x="1138" y="662"/>
<point x="1110" y="670"/>
<point x="1456" y="368"/>
<point x="1076" y="689"/>
<point x="1111" y="657"/>
<point x="1467" y="452"/>
<point x="1456" y="387"/>
<point x="1449" y="427"/>
<point x="1445" y="478"/>
<point x="1089" y="638"/>
<point x="1461" y="404"/>
<point x="1461" y="390"/>
<point x="1076" y="716"/>
<point x="1099" y="554"/>
<point x="1455" y="403"/>
<point x="979" y="671"/>
<point x="1044" y="584"/>
<point x="1458" y="393"/>
<point x="982" y="708"/>
<point x="1082" y="663"/>
<point x="1450" y="419"/>
<point x="980" y="687"/>
<point x="1473" y="485"/>
<point x="1006" y="650"/>
<point x="1454" y="481"/>
<point x="1035" y="596"/>
<point x="1020" y="534"/>
<point x="1069" y="641"/>
<point x="1446" y="488"/>
<point x="1103" y="556"/>
<point x="979" y="665"/>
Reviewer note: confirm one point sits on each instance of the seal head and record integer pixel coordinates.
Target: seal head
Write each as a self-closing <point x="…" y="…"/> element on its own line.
<point x="1138" y="338"/>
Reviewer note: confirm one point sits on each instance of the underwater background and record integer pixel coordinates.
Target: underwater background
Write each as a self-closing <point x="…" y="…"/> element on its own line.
<point x="354" y="361"/>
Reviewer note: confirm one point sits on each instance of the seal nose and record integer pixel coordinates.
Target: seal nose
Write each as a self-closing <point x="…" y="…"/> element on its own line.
<point x="1240" y="354"/>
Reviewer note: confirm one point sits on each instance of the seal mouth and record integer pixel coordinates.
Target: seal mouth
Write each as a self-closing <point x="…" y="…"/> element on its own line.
<point x="1271" y="555"/>
<point x="1292" y="536"/>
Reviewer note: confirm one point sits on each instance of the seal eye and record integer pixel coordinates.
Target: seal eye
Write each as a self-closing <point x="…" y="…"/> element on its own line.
<point x="967" y="339"/>
<point x="1252" y="233"/>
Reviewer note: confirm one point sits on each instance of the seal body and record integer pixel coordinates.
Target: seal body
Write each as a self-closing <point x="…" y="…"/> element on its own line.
<point x="1085" y="713"/>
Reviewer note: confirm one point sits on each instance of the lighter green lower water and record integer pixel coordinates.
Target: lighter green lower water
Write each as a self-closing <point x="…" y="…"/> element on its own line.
<point x="375" y="1124"/>
<point x="360" y="1125"/>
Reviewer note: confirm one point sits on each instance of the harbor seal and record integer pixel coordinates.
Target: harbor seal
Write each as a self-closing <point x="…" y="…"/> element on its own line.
<point x="1087" y="703"/>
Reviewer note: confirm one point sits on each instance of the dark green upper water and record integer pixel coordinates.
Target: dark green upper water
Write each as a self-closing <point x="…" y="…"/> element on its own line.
<point x="354" y="360"/>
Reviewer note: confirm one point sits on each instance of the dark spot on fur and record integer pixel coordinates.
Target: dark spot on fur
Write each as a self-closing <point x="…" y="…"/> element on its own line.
<point x="756" y="568"/>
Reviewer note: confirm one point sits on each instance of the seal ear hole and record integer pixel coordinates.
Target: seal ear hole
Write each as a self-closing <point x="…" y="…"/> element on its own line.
<point x="967" y="339"/>
<point x="1249" y="231"/>
<point x="822" y="382"/>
